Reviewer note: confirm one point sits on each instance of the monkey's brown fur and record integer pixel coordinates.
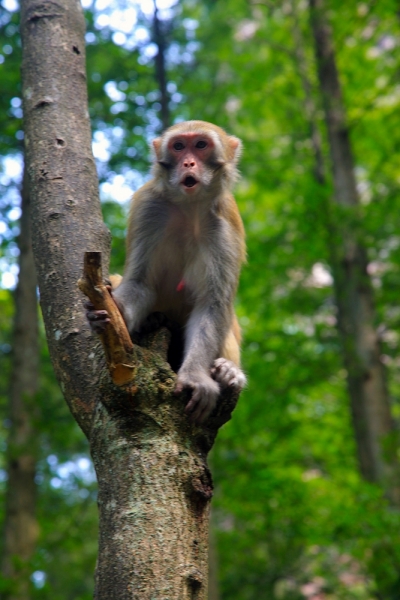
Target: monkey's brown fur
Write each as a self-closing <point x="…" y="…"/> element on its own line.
<point x="185" y="247"/>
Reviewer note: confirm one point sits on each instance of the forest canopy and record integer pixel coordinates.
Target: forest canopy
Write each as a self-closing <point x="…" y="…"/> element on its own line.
<point x="303" y="508"/>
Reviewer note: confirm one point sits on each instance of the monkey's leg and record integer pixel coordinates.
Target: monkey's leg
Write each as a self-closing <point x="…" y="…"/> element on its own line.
<point x="230" y="348"/>
<point x="226" y="370"/>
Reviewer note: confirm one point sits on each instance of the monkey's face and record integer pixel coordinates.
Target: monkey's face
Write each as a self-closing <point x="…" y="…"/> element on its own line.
<point x="195" y="161"/>
<point x="193" y="158"/>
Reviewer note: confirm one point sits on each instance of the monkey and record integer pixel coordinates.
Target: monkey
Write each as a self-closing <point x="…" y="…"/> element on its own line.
<point x="184" y="250"/>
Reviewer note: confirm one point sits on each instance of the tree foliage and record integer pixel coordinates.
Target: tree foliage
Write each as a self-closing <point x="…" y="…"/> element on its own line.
<point x="292" y="516"/>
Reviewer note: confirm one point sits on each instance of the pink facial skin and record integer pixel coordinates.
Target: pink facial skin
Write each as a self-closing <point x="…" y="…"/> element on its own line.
<point x="191" y="151"/>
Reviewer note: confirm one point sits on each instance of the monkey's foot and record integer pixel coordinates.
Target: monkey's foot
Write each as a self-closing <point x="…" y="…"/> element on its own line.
<point x="228" y="374"/>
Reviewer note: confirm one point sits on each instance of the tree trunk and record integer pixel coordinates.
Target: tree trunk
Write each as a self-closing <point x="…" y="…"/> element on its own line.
<point x="154" y="483"/>
<point x="310" y="108"/>
<point x="213" y="587"/>
<point x="161" y="74"/>
<point x="373" y="425"/>
<point x="20" y="523"/>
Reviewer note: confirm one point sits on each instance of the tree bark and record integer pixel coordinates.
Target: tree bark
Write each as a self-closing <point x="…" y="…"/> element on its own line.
<point x="64" y="188"/>
<point x="310" y="108"/>
<point x="213" y="587"/>
<point x="161" y="72"/>
<point x="20" y="523"/>
<point x="374" y="429"/>
<point x="154" y="482"/>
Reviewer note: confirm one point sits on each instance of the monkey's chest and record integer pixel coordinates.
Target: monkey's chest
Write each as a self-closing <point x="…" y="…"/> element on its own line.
<point x="171" y="279"/>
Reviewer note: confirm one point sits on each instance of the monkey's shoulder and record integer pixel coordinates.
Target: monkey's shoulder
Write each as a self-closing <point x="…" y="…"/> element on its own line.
<point x="229" y="211"/>
<point x="148" y="191"/>
<point x="147" y="199"/>
<point x="228" y="239"/>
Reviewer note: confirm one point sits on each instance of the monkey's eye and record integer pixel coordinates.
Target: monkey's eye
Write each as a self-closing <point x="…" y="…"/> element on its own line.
<point x="178" y="146"/>
<point x="201" y="144"/>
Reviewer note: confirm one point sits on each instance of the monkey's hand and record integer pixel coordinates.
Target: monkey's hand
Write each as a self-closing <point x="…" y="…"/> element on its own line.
<point x="98" y="319"/>
<point x="205" y="392"/>
<point x="228" y="374"/>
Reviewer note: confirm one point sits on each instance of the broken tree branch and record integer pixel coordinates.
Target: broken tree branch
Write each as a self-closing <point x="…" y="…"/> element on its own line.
<point x="117" y="343"/>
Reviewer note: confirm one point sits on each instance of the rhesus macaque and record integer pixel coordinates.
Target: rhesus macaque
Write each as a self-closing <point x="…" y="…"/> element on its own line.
<point x="185" y="247"/>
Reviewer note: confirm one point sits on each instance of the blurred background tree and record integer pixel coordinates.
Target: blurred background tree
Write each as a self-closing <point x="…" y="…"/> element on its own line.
<point x="297" y="514"/>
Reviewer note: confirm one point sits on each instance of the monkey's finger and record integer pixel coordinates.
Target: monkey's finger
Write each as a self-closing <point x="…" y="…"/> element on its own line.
<point x="99" y="326"/>
<point x="88" y="305"/>
<point x="178" y="389"/>
<point x="220" y="368"/>
<point x="238" y="381"/>
<point x="190" y="406"/>
<point x="217" y="366"/>
<point x="202" y="413"/>
<point x="181" y="386"/>
<point x="224" y="370"/>
<point x="195" y="415"/>
<point x="198" y="406"/>
<point x="97" y="315"/>
<point x="228" y="374"/>
<point x="219" y="362"/>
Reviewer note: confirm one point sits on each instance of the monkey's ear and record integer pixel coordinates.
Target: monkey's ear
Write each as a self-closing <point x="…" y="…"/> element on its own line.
<point x="157" y="147"/>
<point x="235" y="148"/>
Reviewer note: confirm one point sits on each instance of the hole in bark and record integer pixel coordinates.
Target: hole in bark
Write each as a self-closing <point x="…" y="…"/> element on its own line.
<point x="76" y="49"/>
<point x="60" y="142"/>
<point x="195" y="583"/>
<point x="44" y="102"/>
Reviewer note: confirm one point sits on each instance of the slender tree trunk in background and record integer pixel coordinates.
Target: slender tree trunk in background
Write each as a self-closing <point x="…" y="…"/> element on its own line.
<point x="310" y="108"/>
<point x="161" y="72"/>
<point x="374" y="429"/>
<point x="20" y="523"/>
<point x="151" y="462"/>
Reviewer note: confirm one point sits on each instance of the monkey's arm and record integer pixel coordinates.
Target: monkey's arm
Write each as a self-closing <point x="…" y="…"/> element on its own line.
<point x="210" y="326"/>
<point x="202" y="342"/>
<point x="134" y="295"/>
<point x="147" y="221"/>
<point x="135" y="300"/>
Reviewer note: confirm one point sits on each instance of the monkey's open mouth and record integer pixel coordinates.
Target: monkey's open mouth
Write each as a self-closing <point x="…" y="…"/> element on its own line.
<point x="189" y="181"/>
